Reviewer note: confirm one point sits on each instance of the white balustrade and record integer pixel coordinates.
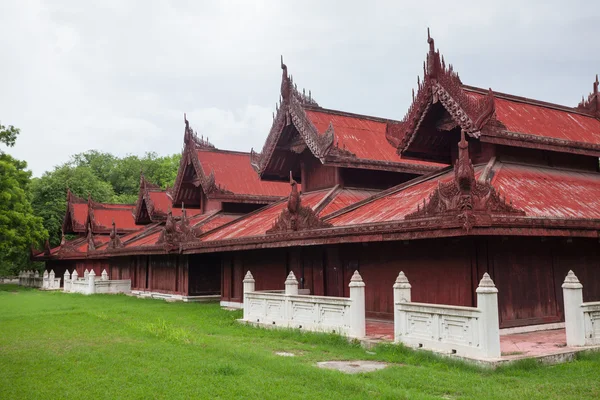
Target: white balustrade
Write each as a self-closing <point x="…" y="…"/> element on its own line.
<point x="466" y="331"/>
<point x="289" y="309"/>
<point x="582" y="320"/>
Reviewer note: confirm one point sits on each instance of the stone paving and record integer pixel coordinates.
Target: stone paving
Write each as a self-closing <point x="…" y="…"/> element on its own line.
<point x="513" y="346"/>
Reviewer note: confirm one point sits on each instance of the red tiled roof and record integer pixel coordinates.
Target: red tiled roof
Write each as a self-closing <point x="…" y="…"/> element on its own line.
<point x="544" y="120"/>
<point x="80" y="213"/>
<point x="233" y="172"/>
<point x="219" y="220"/>
<point x="392" y="206"/>
<point x="259" y="222"/>
<point x="550" y="192"/>
<point x="539" y="191"/>
<point x="162" y="202"/>
<point x="121" y="214"/>
<point x="344" y="198"/>
<point x="363" y="136"/>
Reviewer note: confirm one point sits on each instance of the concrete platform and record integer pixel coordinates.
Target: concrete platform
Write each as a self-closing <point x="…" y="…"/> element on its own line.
<point x="547" y="346"/>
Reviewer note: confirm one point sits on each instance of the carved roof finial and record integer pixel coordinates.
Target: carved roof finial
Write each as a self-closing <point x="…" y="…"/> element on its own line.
<point x="285" y="81"/>
<point x="430" y="41"/>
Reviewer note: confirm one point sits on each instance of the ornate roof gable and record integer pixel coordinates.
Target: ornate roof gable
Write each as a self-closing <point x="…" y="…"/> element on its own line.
<point x="295" y="216"/>
<point x="145" y="199"/>
<point x="290" y="110"/>
<point x="464" y="198"/>
<point x="592" y="104"/>
<point x="189" y="158"/>
<point x="441" y="84"/>
<point x="176" y="232"/>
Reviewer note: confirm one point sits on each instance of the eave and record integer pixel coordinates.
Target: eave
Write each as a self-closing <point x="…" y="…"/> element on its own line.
<point x="426" y="228"/>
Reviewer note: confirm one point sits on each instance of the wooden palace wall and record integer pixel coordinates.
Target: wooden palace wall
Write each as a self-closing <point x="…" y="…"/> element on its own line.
<point x="528" y="272"/>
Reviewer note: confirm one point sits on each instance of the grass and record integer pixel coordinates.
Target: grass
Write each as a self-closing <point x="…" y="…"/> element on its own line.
<point x="56" y="345"/>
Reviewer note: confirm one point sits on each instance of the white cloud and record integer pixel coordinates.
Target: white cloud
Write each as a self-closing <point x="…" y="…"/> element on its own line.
<point x="118" y="75"/>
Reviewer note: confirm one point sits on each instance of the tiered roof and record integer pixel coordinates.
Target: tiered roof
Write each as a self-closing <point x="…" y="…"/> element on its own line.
<point x="495" y="117"/>
<point x="222" y="175"/>
<point x="334" y="137"/>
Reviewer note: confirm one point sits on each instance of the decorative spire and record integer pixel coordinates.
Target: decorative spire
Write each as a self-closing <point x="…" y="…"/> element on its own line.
<point x="464" y="196"/>
<point x="115" y="241"/>
<point x="285" y="82"/>
<point x="90" y="238"/>
<point x="592" y="103"/>
<point x="47" y="249"/>
<point x="295" y="216"/>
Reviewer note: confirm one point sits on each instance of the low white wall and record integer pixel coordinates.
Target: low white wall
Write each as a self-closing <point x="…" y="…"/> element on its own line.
<point x="314" y="313"/>
<point x="582" y="320"/>
<point x="591" y="318"/>
<point x="30" y="279"/>
<point x="89" y="284"/>
<point x="465" y="331"/>
<point x="9" y="279"/>
<point x="289" y="309"/>
<point x="50" y="282"/>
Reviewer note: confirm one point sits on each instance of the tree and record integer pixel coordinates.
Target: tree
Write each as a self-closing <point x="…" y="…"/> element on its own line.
<point x="49" y="194"/>
<point x="8" y="135"/>
<point x="19" y="227"/>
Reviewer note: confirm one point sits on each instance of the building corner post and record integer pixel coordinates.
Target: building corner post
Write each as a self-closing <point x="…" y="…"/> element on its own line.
<point x="357" y="306"/>
<point x="487" y="303"/>
<point x="574" y="321"/>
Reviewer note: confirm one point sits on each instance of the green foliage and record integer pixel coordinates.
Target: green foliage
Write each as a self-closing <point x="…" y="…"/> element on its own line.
<point x="136" y="349"/>
<point x="49" y="194"/>
<point x="8" y="135"/>
<point x="19" y="227"/>
<point x="106" y="177"/>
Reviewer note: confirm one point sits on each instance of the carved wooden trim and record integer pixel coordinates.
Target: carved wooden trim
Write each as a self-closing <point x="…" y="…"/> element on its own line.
<point x="115" y="240"/>
<point x="441" y="84"/>
<point x="464" y="196"/>
<point x="295" y="216"/>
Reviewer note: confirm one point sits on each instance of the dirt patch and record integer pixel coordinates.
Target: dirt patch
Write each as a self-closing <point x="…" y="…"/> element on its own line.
<point x="353" y="367"/>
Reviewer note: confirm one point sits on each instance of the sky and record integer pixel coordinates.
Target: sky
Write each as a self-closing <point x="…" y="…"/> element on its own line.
<point x="117" y="76"/>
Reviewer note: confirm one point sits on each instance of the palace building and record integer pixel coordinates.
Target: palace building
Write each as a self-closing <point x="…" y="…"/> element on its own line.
<point x="469" y="181"/>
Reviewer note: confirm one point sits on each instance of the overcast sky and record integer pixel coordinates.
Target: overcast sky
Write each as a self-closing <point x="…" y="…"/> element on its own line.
<point x="117" y="76"/>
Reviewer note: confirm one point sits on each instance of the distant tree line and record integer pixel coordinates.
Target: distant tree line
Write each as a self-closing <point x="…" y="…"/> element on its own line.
<point x="33" y="209"/>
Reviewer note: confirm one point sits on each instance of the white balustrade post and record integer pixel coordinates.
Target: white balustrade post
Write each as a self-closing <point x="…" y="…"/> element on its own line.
<point x="291" y="284"/>
<point x="357" y="306"/>
<point x="291" y="289"/>
<point x="45" y="282"/>
<point x="574" y="322"/>
<point x="36" y="274"/>
<point x="104" y="276"/>
<point x="489" y="328"/>
<point x="249" y="285"/>
<point x="74" y="276"/>
<point x="86" y="273"/>
<point x="66" y="281"/>
<point x="51" y="277"/>
<point x="91" y="282"/>
<point x="402" y="294"/>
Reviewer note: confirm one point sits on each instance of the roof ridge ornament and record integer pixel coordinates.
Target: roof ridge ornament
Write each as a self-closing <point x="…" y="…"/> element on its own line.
<point x="464" y="198"/>
<point x="115" y="241"/>
<point x="591" y="105"/>
<point x="441" y="84"/>
<point x="295" y="216"/>
<point x="191" y="137"/>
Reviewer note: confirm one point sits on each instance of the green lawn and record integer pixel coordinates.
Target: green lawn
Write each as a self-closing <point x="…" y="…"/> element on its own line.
<point x="55" y="345"/>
